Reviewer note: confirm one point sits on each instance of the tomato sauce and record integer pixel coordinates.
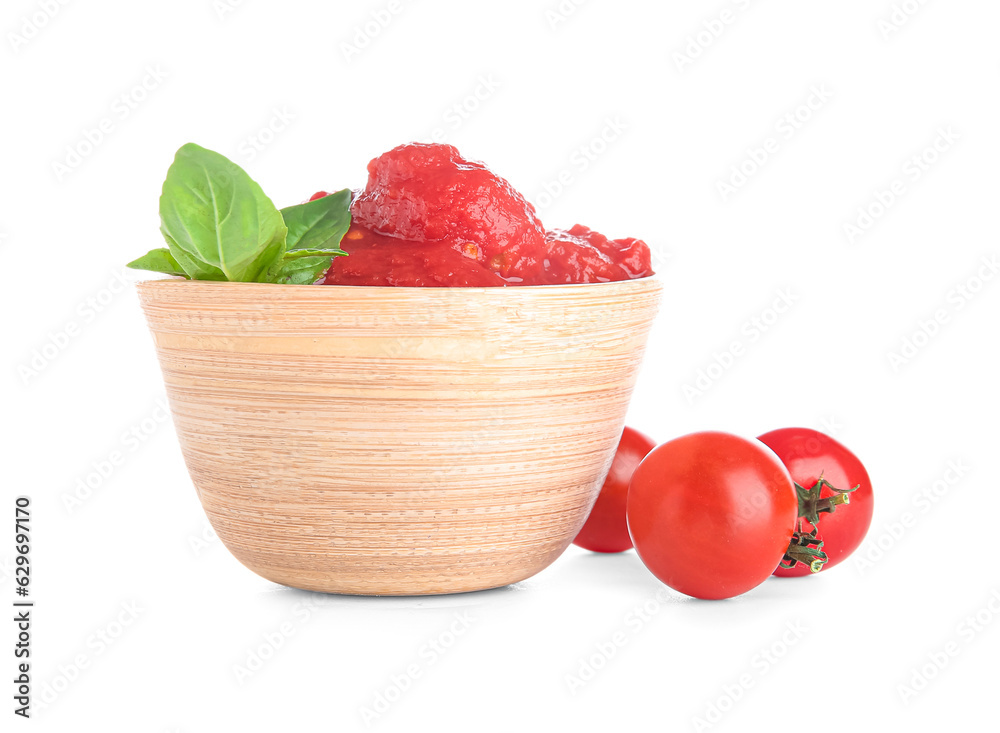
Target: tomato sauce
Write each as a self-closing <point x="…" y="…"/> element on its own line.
<point x="430" y="218"/>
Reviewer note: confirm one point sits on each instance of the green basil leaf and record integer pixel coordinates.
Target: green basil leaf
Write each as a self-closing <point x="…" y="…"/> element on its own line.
<point x="293" y="253"/>
<point x="301" y="270"/>
<point x="158" y="260"/>
<point x="319" y="224"/>
<point x="194" y="268"/>
<point x="218" y="222"/>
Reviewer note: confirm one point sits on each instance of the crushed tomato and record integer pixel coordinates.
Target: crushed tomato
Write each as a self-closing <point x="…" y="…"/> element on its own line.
<point x="430" y="218"/>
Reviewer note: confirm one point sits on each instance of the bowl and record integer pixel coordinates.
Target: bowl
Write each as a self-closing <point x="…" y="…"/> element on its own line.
<point x="398" y="441"/>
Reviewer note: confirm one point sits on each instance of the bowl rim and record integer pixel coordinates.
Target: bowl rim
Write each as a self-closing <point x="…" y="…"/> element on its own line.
<point x="655" y="278"/>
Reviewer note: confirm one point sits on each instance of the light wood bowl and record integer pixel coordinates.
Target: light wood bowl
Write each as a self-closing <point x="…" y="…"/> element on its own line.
<point x="398" y="441"/>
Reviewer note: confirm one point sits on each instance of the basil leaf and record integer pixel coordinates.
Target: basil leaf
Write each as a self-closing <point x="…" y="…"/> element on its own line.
<point x="319" y="224"/>
<point x="158" y="260"/>
<point x="218" y="222"/>
<point x="293" y="253"/>
<point x="219" y="225"/>
<point x="301" y="270"/>
<point x="195" y="269"/>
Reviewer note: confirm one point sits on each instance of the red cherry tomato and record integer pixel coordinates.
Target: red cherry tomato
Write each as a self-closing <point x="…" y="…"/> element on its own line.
<point x="809" y="456"/>
<point x="606" y="529"/>
<point x="711" y="514"/>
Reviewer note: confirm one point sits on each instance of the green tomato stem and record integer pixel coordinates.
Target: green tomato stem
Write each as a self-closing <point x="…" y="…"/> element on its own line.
<point x="811" y="505"/>
<point x="806" y="548"/>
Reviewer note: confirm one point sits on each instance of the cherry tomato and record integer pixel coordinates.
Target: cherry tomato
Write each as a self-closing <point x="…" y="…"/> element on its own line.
<point x="606" y="529"/>
<point x="711" y="514"/>
<point x="845" y="489"/>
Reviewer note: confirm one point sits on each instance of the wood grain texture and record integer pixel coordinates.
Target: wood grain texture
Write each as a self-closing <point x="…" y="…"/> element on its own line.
<point x="398" y="441"/>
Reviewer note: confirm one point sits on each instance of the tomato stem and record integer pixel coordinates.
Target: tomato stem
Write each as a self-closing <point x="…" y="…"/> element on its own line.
<point x="806" y="548"/>
<point x="811" y="505"/>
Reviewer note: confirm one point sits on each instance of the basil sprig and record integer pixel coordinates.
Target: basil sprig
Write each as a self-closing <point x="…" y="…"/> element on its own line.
<point x="220" y="225"/>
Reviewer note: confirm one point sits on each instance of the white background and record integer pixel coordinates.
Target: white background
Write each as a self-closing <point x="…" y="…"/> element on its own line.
<point x="827" y="362"/>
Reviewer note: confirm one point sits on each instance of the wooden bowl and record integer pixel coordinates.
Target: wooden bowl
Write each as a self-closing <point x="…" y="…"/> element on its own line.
<point x="398" y="441"/>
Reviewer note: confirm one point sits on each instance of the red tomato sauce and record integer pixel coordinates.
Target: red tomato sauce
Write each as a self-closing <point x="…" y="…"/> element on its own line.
<point x="430" y="218"/>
